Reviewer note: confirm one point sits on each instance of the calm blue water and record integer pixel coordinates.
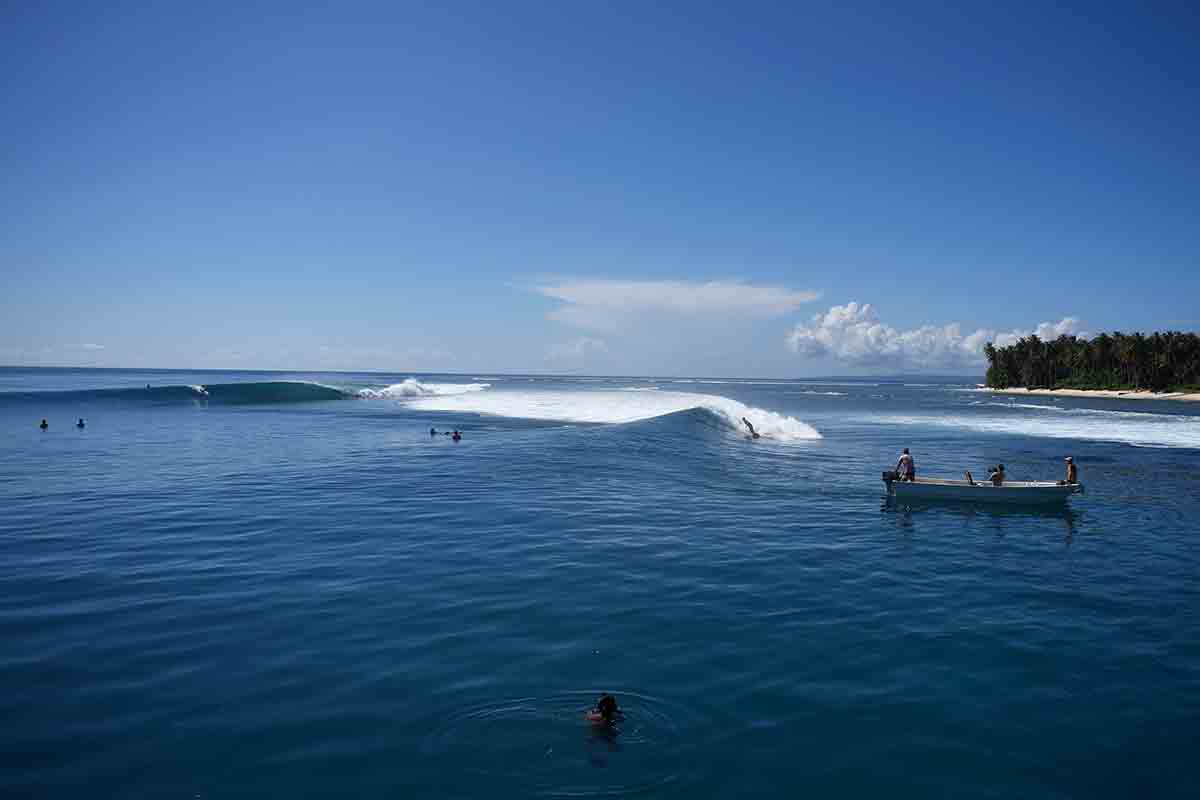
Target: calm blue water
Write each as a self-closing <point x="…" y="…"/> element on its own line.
<point x="258" y="589"/>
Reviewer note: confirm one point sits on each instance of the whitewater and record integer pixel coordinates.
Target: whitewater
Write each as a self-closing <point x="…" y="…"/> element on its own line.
<point x="1136" y="428"/>
<point x="411" y="387"/>
<point x="601" y="406"/>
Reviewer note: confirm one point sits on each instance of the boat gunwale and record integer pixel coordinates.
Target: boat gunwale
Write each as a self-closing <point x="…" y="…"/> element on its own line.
<point x="984" y="484"/>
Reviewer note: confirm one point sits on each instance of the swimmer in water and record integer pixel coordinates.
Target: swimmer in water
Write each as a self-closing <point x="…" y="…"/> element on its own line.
<point x="753" y="432"/>
<point x="433" y="431"/>
<point x="605" y="712"/>
<point x="457" y="436"/>
<point x="44" y="425"/>
<point x="80" y="423"/>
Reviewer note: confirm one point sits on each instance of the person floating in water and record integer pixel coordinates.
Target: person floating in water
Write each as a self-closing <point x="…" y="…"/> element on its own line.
<point x="433" y="431"/>
<point x="80" y="423"/>
<point x="456" y="436"/>
<point x="44" y="425"/>
<point x="605" y="712"/>
<point x="906" y="467"/>
<point x="753" y="432"/>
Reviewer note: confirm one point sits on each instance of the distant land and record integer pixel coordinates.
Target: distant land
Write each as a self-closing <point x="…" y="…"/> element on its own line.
<point x="1121" y="394"/>
<point x="1157" y="366"/>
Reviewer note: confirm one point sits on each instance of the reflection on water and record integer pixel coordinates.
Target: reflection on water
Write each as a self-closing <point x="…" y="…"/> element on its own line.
<point x="906" y="511"/>
<point x="602" y="740"/>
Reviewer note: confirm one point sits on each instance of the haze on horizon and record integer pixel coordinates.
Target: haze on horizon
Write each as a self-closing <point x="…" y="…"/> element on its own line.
<point x="681" y="190"/>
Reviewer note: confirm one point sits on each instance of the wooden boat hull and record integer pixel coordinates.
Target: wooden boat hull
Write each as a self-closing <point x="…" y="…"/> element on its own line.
<point x="1015" y="493"/>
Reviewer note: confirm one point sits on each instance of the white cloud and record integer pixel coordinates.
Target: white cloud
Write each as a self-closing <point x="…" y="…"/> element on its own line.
<point x="1046" y="330"/>
<point x="577" y="353"/>
<point x="608" y="304"/>
<point x="853" y="334"/>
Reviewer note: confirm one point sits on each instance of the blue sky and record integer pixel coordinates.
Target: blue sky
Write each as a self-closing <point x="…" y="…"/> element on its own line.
<point x="607" y="188"/>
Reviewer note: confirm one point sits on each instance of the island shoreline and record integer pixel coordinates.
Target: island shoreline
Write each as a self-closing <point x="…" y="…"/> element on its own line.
<point x="1105" y="394"/>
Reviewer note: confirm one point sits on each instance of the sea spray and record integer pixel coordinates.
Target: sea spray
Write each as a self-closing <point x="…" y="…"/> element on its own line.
<point x="616" y="406"/>
<point x="411" y="388"/>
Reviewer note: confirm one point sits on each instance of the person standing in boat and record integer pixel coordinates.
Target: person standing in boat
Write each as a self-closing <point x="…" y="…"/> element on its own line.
<point x="906" y="467"/>
<point x="1072" y="472"/>
<point x="997" y="475"/>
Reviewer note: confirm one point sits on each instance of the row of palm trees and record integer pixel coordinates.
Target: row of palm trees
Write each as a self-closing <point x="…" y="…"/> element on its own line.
<point x="1161" y="362"/>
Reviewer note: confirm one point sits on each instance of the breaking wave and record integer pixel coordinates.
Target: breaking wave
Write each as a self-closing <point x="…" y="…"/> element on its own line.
<point x="616" y="406"/>
<point x="413" y="388"/>
<point x="1088" y="412"/>
<point x="217" y="394"/>
<point x="1129" y="427"/>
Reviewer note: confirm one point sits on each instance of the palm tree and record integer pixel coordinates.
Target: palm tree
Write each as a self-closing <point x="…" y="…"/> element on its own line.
<point x="1159" y="361"/>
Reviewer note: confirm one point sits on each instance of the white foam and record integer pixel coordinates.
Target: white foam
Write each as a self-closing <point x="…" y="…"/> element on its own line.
<point x="1135" y="428"/>
<point x="411" y="388"/>
<point x="826" y="394"/>
<point x="616" y="406"/>
<point x="836" y="383"/>
<point x="736" y="382"/>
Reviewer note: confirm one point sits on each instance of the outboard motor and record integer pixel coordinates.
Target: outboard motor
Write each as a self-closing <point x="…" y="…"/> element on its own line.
<point x="890" y="476"/>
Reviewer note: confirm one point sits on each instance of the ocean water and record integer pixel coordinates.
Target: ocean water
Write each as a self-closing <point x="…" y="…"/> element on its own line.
<point x="263" y="584"/>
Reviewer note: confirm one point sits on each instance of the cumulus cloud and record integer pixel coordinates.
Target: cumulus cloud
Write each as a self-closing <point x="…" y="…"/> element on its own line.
<point x="576" y="353"/>
<point x="854" y="335"/>
<point x="1046" y="330"/>
<point x="607" y="304"/>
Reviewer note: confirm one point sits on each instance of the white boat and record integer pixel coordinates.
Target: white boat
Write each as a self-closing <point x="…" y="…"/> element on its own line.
<point x="1008" y="493"/>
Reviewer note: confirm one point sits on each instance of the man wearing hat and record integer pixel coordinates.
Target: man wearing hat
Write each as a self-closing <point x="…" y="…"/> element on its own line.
<point x="1072" y="472"/>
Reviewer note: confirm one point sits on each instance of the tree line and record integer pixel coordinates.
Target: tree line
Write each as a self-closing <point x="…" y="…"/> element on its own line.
<point x="1160" y="362"/>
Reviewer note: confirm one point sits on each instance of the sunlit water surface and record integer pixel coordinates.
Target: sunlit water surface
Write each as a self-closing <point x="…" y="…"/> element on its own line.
<point x="257" y="590"/>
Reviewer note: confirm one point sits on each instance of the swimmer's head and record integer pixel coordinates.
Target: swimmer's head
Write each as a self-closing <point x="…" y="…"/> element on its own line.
<point x="607" y="707"/>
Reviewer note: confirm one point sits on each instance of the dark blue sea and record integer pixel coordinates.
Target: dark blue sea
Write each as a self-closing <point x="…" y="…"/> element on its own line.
<point x="234" y="584"/>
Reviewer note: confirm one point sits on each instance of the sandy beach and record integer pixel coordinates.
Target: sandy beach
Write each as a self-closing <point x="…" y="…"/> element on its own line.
<point x="1116" y="394"/>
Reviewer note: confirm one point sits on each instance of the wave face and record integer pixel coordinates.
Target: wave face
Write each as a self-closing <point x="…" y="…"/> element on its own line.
<point x="617" y="406"/>
<point x="218" y="393"/>
<point x="413" y="388"/>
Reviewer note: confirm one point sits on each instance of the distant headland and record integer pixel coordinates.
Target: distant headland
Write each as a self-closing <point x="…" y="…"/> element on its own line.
<point x="1159" y="366"/>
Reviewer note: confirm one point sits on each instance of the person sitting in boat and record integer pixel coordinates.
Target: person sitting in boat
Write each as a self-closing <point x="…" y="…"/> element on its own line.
<point x="605" y="712"/>
<point x="1072" y="472"/>
<point x="997" y="475"/>
<point x="906" y="467"/>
